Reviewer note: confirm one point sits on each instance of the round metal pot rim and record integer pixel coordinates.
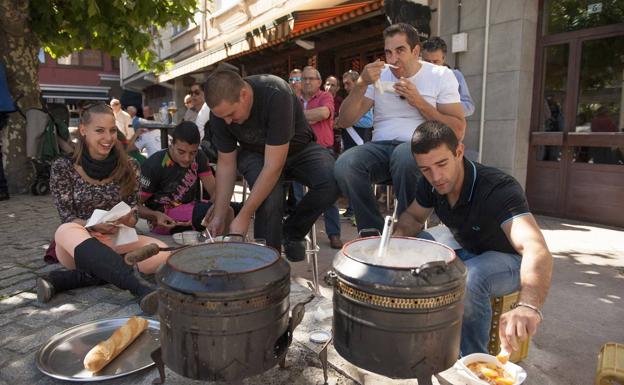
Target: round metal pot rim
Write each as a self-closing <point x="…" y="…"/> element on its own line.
<point x="221" y="272"/>
<point x="355" y="258"/>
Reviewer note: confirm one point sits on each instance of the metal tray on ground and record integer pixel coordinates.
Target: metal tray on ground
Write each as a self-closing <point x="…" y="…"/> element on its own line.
<point x="62" y="355"/>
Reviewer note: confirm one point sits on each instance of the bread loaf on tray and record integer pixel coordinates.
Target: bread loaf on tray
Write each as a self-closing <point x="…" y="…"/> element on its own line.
<point x="104" y="352"/>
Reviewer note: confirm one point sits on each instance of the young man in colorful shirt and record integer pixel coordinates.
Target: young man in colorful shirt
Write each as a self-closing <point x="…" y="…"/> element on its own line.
<point x="170" y="184"/>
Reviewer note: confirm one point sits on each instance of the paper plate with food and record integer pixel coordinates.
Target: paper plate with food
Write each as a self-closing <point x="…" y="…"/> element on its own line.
<point x="484" y="369"/>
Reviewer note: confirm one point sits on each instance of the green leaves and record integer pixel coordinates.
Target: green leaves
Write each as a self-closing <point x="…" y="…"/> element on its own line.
<point x="113" y="26"/>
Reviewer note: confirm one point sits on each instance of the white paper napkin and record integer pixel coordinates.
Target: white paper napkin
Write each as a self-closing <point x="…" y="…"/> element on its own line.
<point x="125" y="234"/>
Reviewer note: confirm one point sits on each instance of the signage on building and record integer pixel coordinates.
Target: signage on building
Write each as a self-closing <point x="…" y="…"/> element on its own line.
<point x="594" y="8"/>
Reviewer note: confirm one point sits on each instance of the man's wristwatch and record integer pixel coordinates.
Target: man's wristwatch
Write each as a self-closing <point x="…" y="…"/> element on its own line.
<point x="532" y="307"/>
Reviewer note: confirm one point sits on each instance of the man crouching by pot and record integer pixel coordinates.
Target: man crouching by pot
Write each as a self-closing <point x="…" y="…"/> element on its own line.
<point x="502" y="245"/>
<point x="263" y="114"/>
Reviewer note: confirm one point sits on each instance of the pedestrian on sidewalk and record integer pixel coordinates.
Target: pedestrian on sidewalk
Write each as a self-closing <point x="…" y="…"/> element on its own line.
<point x="98" y="177"/>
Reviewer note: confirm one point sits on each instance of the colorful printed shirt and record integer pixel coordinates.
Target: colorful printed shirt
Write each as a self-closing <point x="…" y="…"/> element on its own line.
<point x="166" y="184"/>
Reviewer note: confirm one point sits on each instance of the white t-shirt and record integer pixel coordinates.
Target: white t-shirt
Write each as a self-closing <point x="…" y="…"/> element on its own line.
<point x="150" y="141"/>
<point x="202" y="117"/>
<point x="393" y="117"/>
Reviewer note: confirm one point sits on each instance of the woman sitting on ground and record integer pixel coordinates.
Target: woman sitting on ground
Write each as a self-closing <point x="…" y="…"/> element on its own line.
<point x="99" y="176"/>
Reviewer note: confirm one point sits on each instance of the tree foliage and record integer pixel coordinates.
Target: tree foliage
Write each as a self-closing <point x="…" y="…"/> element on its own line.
<point x="112" y="26"/>
<point x="573" y="15"/>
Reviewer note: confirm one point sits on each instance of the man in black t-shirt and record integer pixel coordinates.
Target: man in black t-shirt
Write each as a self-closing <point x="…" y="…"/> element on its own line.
<point x="170" y="184"/>
<point x="502" y="245"/>
<point x="263" y="115"/>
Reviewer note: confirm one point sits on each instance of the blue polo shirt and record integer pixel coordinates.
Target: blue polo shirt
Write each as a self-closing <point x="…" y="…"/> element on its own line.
<point x="488" y="199"/>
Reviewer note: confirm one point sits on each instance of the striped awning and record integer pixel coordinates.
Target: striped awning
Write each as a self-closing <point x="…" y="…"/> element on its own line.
<point x="306" y="22"/>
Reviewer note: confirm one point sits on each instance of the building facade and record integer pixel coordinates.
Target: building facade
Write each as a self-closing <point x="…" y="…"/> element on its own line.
<point x="82" y="77"/>
<point x="545" y="75"/>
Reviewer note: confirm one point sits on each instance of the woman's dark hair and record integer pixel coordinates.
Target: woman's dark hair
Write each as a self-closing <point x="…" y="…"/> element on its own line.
<point x="432" y="134"/>
<point x="186" y="132"/>
<point x="408" y="30"/>
<point x="123" y="174"/>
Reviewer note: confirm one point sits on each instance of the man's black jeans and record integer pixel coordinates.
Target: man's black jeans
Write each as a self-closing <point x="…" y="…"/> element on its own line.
<point x="313" y="167"/>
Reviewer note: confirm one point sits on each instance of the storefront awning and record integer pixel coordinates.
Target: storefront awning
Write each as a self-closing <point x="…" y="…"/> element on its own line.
<point x="54" y="91"/>
<point x="292" y="25"/>
<point x="322" y="18"/>
<point x="306" y="22"/>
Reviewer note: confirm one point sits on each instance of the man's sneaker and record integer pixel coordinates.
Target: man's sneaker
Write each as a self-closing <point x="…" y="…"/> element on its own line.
<point x="294" y="250"/>
<point x="348" y="213"/>
<point x="335" y="242"/>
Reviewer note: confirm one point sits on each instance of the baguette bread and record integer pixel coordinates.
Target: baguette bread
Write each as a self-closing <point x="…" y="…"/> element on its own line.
<point x="104" y="352"/>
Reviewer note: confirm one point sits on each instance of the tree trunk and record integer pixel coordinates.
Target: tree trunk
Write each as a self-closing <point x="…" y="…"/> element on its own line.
<point x="18" y="52"/>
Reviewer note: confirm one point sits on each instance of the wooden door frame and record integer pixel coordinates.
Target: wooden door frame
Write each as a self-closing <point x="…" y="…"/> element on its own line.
<point x="574" y="39"/>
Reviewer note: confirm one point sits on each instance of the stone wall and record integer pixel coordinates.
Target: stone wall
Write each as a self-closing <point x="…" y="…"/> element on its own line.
<point x="513" y="28"/>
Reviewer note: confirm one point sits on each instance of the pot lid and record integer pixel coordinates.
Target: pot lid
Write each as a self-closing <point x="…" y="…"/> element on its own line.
<point x="402" y="252"/>
<point x="222" y="258"/>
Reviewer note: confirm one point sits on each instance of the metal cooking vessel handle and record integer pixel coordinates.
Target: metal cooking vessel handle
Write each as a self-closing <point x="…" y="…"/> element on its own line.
<point x="330" y="278"/>
<point x="438" y="265"/>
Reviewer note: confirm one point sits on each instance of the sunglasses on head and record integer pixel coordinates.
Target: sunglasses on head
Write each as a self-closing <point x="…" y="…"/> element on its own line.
<point x="295" y="79"/>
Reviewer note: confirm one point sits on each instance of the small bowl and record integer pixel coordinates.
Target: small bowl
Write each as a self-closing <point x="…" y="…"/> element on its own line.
<point x="388" y="87"/>
<point x="462" y="368"/>
<point x="190" y="237"/>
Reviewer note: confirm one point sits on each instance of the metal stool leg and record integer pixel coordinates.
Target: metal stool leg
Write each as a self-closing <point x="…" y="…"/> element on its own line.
<point x="388" y="197"/>
<point x="312" y="250"/>
<point x="244" y="190"/>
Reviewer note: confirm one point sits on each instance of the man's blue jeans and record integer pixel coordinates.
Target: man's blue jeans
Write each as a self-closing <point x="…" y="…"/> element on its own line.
<point x="331" y="216"/>
<point x="312" y="166"/>
<point x="490" y="274"/>
<point x="360" y="167"/>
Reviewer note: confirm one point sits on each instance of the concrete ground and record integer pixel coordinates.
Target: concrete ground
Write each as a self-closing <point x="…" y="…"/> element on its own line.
<point x="584" y="308"/>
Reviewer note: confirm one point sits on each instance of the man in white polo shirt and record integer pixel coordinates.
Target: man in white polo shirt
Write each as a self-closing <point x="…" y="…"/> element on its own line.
<point x="403" y="93"/>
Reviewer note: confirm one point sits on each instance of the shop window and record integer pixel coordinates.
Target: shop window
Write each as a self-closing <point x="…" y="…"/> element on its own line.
<point x="87" y="58"/>
<point x="548" y="153"/>
<point x="72" y="59"/>
<point x="599" y="155"/>
<point x="91" y="58"/>
<point x="178" y="29"/>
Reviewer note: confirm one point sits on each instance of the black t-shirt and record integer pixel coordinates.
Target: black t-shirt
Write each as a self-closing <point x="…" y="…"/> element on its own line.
<point x="164" y="183"/>
<point x="276" y="118"/>
<point x="488" y="199"/>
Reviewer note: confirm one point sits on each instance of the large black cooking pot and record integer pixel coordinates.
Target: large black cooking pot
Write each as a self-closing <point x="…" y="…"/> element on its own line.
<point x="398" y="315"/>
<point x="223" y="310"/>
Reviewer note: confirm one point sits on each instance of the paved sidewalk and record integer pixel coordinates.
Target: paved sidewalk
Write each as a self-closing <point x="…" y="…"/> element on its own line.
<point x="585" y="307"/>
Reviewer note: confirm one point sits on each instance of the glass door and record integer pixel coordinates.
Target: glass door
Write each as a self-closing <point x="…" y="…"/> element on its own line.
<point x="576" y="152"/>
<point x="595" y="142"/>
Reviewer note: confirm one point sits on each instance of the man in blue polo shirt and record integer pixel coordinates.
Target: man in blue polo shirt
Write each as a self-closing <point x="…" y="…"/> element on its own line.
<point x="502" y="245"/>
